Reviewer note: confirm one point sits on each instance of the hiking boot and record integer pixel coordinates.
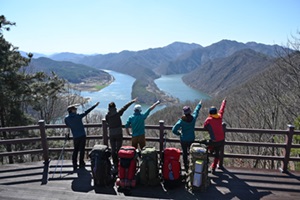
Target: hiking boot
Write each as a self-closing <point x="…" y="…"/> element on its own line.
<point x="82" y="165"/>
<point x="213" y="168"/>
<point x="187" y="170"/>
<point x="214" y="165"/>
<point x="74" y="168"/>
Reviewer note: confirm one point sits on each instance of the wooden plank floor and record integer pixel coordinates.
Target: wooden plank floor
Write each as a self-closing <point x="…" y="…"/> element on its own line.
<point x="31" y="181"/>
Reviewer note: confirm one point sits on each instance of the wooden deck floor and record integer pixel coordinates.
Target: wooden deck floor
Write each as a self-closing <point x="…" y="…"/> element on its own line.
<point x="34" y="181"/>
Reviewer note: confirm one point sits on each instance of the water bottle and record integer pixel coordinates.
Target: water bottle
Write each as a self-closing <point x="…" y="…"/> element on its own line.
<point x="171" y="175"/>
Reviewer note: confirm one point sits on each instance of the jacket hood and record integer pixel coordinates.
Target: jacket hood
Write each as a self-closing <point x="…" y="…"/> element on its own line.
<point x="112" y="110"/>
<point x="216" y="116"/>
<point x="187" y="118"/>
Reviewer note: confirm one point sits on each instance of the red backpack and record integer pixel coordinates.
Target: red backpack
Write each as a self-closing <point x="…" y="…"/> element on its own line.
<point x="127" y="167"/>
<point x="171" y="167"/>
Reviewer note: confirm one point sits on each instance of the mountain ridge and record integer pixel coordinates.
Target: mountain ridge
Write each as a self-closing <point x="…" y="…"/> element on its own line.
<point x="182" y="58"/>
<point x="221" y="74"/>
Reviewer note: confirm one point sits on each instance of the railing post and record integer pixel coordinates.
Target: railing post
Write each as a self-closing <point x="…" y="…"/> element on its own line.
<point x="222" y="148"/>
<point x="44" y="141"/>
<point x="161" y="136"/>
<point x="105" y="132"/>
<point x="288" y="140"/>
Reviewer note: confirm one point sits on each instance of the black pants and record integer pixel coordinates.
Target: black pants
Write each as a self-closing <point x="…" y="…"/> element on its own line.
<point x="185" y="150"/>
<point x="79" y="146"/>
<point x="116" y="140"/>
<point x="217" y="147"/>
<point x="115" y="143"/>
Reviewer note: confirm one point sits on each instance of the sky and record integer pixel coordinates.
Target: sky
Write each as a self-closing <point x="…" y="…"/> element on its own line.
<point x="111" y="26"/>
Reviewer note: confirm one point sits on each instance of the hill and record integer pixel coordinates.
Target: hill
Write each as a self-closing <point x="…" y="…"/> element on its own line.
<point x="197" y="57"/>
<point x="73" y="73"/>
<point x="222" y="74"/>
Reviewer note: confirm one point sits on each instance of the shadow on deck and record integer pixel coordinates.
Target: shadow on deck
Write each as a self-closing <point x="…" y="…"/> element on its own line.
<point x="35" y="181"/>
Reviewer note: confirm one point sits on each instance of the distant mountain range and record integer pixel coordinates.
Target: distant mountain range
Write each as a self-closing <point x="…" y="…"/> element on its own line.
<point x="213" y="69"/>
<point x="72" y="72"/>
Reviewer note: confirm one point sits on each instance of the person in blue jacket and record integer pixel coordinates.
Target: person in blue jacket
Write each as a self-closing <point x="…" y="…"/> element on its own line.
<point x="74" y="121"/>
<point x="185" y="128"/>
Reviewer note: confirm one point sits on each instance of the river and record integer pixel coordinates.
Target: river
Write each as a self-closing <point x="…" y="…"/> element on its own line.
<point x="119" y="92"/>
<point x="174" y="86"/>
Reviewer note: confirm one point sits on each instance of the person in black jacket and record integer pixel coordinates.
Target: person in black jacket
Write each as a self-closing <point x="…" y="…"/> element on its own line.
<point x="114" y="122"/>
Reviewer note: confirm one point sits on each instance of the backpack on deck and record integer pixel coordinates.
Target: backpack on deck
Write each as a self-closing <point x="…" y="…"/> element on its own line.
<point x="198" y="173"/>
<point x="101" y="165"/>
<point x="127" y="167"/>
<point x="149" y="171"/>
<point x="171" y="169"/>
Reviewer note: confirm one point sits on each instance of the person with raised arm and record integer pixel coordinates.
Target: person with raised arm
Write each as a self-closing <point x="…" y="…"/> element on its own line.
<point x="137" y="124"/>
<point x="213" y="124"/>
<point x="185" y="128"/>
<point x="74" y="121"/>
<point x="114" y="122"/>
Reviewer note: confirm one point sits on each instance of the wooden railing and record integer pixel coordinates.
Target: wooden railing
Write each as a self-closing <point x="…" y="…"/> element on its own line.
<point x="161" y="128"/>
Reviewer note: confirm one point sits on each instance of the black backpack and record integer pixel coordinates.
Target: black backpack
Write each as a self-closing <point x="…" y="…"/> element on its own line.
<point x="101" y="165"/>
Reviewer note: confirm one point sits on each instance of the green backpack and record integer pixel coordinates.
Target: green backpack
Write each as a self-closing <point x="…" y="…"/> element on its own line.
<point x="149" y="167"/>
<point x="198" y="179"/>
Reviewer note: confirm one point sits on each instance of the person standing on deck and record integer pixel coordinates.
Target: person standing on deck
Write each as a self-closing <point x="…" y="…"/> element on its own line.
<point x="114" y="122"/>
<point x="74" y="121"/>
<point x="137" y="124"/>
<point x="213" y="124"/>
<point x="185" y="128"/>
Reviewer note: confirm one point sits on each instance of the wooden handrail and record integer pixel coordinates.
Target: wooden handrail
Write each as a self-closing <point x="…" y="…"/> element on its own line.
<point x="162" y="128"/>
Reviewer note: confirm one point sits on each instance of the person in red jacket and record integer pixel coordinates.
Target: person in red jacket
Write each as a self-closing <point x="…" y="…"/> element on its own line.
<point x="213" y="124"/>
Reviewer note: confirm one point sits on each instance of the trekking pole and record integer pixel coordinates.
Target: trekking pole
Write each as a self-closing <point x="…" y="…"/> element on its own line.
<point x="164" y="147"/>
<point x="61" y="157"/>
<point x="62" y="160"/>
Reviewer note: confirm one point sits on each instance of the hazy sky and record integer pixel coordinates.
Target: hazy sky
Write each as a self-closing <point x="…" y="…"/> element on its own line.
<point x="106" y="26"/>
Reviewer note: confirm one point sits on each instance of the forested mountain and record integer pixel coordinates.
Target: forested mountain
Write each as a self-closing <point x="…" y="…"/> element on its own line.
<point x="269" y="100"/>
<point x="193" y="59"/>
<point x="175" y="58"/>
<point x="126" y="60"/>
<point x="222" y="74"/>
<point x="74" y="73"/>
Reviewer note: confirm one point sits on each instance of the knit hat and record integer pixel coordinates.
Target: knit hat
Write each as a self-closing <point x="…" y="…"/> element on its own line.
<point x="213" y="110"/>
<point x="186" y="110"/>
<point x="138" y="107"/>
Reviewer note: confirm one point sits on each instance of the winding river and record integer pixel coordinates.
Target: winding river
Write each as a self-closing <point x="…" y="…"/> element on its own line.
<point x="119" y="92"/>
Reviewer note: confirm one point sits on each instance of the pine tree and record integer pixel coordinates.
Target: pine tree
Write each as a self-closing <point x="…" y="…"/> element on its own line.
<point x="19" y="89"/>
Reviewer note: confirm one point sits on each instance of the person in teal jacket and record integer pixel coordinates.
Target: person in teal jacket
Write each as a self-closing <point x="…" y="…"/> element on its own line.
<point x="137" y="124"/>
<point x="185" y="128"/>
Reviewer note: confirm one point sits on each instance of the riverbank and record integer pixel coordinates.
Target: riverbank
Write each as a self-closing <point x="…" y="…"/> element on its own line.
<point x="163" y="97"/>
<point x="93" y="84"/>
